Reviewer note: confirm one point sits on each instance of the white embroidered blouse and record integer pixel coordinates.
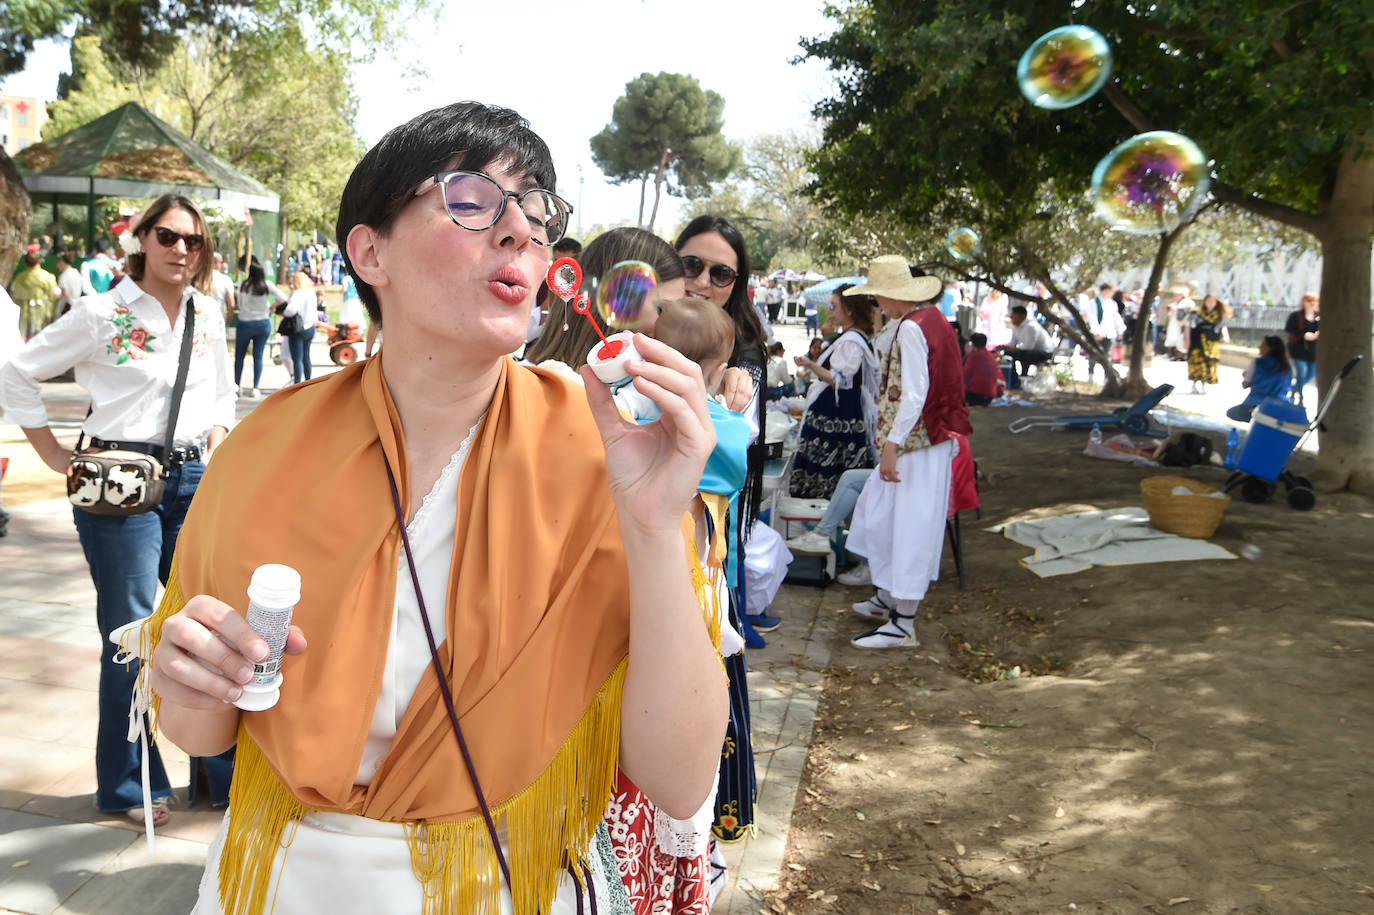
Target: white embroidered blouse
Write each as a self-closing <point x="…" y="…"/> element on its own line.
<point x="125" y="353"/>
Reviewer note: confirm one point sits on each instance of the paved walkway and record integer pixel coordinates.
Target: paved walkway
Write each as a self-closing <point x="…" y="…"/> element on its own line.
<point x="58" y="854"/>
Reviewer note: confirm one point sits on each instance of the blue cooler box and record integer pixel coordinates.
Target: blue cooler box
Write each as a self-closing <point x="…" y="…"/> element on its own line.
<point x="1274" y="433"/>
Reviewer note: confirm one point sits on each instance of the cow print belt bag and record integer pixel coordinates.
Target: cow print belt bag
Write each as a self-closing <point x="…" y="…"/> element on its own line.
<point x="123" y="481"/>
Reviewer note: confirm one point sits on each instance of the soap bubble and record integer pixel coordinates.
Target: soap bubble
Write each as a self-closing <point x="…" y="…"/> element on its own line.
<point x="625" y="291"/>
<point x="1151" y="183"/>
<point x="564" y="278"/>
<point x="1064" y="67"/>
<point x="963" y="243"/>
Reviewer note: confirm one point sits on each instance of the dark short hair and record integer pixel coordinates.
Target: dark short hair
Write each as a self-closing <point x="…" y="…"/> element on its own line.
<point x="466" y="135"/>
<point x="1104" y="287"/>
<point x="979" y="340"/>
<point x="567" y="247"/>
<point x="748" y="328"/>
<point x="101" y="245"/>
<point x="1018" y="309"/>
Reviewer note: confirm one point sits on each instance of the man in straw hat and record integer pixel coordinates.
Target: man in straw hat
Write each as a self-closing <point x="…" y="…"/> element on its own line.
<point x="899" y="520"/>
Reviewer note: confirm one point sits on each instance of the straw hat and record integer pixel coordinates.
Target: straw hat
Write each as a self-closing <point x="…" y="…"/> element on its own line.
<point x="889" y="276"/>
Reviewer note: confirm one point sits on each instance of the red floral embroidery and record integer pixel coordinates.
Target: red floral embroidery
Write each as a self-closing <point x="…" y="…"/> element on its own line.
<point x="117" y="343"/>
<point x="121" y="309"/>
<point x="138" y="336"/>
<point x="658" y="883"/>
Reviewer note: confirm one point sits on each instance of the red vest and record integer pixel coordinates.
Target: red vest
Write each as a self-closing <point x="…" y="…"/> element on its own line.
<point x="945" y="411"/>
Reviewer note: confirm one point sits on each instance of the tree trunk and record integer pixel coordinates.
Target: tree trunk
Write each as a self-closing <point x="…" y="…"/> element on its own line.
<point x="658" y="185"/>
<point x="1112" y="386"/>
<point x="18" y="209"/>
<point x="643" y="186"/>
<point x="1346" y="455"/>
<point x="1136" y="385"/>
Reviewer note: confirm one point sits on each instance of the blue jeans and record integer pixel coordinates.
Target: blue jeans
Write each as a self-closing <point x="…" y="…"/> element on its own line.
<point x="300" y="354"/>
<point x="127" y="557"/>
<point x="813" y="324"/>
<point x="1304" y="370"/>
<point x="843" y="500"/>
<point x="254" y="332"/>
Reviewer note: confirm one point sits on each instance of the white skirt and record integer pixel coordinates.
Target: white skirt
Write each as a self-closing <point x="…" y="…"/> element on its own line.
<point x="900" y="526"/>
<point x="341" y="863"/>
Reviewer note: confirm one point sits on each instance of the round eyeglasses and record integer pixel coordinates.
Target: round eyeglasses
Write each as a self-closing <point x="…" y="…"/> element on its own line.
<point x="475" y="202"/>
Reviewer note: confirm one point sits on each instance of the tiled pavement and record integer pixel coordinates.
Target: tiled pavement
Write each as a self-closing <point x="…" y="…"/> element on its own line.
<point x="58" y="854"/>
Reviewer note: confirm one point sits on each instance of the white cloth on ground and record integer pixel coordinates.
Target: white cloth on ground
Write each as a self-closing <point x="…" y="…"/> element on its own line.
<point x="1112" y="537"/>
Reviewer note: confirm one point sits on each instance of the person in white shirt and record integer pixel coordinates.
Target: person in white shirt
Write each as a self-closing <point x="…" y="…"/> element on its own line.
<point x="69" y="281"/>
<point x="222" y="286"/>
<point x="301" y="305"/>
<point x="256" y="299"/>
<point x="1030" y="343"/>
<point x="125" y="347"/>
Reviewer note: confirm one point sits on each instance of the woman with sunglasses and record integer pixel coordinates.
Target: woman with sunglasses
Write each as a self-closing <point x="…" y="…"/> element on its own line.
<point x="500" y="612"/>
<point x="125" y="347"/>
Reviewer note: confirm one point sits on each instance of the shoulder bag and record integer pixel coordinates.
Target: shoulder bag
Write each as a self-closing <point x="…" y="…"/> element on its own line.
<point x="125" y="480"/>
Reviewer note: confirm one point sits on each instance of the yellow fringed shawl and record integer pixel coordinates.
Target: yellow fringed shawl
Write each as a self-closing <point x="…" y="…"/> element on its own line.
<point x="537" y="686"/>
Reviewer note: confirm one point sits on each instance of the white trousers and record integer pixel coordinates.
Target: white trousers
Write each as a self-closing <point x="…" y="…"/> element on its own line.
<point x="900" y="526"/>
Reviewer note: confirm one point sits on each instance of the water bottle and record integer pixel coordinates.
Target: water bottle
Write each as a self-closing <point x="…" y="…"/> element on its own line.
<point x="1095" y="436"/>
<point x="1232" y="449"/>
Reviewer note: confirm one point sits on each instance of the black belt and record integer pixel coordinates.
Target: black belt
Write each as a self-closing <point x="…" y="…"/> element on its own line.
<point x="178" y="455"/>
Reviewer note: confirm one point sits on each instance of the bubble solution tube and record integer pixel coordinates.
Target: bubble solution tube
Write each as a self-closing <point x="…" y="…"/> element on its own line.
<point x="272" y="597"/>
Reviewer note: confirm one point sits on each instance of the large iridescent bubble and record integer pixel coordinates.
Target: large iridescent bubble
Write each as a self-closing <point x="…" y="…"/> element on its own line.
<point x="624" y="292"/>
<point x="963" y="243"/>
<point x="1151" y="183"/>
<point x="1064" y="67"/>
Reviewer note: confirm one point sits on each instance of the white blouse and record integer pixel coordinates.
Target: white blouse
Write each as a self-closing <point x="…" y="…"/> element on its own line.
<point x="125" y="353"/>
<point x="407" y="653"/>
<point x="254" y="307"/>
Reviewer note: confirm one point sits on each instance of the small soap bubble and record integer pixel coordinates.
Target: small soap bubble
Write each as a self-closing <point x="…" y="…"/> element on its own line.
<point x="625" y="291"/>
<point x="1251" y="552"/>
<point x="1151" y="183"/>
<point x="564" y="278"/>
<point x="1064" y="67"/>
<point x="963" y="243"/>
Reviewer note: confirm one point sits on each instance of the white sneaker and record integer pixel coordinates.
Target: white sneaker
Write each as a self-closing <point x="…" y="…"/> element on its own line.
<point x="888" y="635"/>
<point x="875" y="608"/>
<point x="860" y="575"/>
<point x="253" y="394"/>
<point x="810" y="542"/>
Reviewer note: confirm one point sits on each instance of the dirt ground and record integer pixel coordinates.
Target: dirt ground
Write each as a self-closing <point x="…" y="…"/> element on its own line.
<point x="1188" y="737"/>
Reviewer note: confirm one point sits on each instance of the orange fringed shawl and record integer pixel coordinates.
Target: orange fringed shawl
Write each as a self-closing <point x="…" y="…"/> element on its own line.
<point x="537" y="621"/>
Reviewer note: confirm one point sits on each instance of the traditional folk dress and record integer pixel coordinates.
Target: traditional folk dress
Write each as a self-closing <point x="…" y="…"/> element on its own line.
<point x="1204" y="348"/>
<point x="318" y="819"/>
<point x="837" y="430"/>
<point x="899" y="525"/>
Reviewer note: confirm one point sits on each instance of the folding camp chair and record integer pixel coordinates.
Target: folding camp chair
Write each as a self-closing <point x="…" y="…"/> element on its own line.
<point x="1134" y="420"/>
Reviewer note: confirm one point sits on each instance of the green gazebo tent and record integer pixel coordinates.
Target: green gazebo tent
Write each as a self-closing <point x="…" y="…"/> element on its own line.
<point x="130" y="153"/>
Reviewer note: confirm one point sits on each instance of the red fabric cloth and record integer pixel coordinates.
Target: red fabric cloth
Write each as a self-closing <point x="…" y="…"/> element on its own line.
<point x="658" y="883"/>
<point x="982" y="375"/>
<point x="963" y="484"/>
<point x="945" y="411"/>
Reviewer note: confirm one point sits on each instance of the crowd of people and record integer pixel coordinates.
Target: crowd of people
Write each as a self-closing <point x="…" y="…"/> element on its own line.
<point x="585" y="745"/>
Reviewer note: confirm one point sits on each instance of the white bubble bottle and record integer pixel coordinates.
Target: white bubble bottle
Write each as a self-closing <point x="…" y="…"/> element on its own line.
<point x="272" y="597"/>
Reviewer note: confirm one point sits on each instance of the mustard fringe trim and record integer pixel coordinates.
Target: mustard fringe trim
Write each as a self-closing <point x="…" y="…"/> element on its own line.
<point x="707" y="594"/>
<point x="172" y="603"/>
<point x="549" y="825"/>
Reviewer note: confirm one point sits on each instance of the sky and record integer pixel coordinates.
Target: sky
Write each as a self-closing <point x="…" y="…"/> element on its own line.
<point x="583" y="55"/>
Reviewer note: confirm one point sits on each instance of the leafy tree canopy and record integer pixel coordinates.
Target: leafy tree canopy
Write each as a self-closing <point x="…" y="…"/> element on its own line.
<point x="666" y="127"/>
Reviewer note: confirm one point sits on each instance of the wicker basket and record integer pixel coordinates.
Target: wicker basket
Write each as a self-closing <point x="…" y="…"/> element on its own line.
<point x="1190" y="516"/>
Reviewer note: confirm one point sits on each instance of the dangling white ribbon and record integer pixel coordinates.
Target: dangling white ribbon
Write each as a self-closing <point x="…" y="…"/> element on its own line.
<point x="125" y="638"/>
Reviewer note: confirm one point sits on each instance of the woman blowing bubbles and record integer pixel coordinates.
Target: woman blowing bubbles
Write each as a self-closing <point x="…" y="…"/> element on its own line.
<point x="548" y="556"/>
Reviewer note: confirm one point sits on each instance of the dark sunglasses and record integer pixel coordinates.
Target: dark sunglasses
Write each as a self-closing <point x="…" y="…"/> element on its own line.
<point x="167" y="238"/>
<point x="720" y="274"/>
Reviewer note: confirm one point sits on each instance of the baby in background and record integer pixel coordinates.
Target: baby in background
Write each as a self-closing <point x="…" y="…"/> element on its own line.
<point x="702" y="332"/>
